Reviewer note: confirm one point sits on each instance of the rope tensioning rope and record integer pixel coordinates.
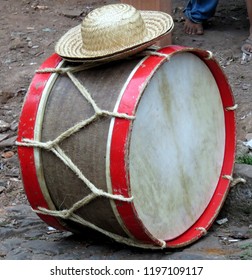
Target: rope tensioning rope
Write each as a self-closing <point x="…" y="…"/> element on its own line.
<point x="53" y="146"/>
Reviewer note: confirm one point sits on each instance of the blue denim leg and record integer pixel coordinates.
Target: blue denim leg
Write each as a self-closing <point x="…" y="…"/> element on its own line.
<point x="200" y="10"/>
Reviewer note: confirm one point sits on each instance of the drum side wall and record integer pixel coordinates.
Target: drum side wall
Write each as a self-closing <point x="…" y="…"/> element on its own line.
<point x="87" y="148"/>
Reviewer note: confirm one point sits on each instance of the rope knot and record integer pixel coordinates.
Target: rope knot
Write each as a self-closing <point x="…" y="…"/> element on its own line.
<point x="62" y="70"/>
<point x="232" y="108"/>
<point x="202" y="230"/>
<point x="65" y="214"/>
<point x="100" y="112"/>
<point x="162" y="243"/>
<point x="46" y="145"/>
<point x="210" y="55"/>
<point x="49" y="145"/>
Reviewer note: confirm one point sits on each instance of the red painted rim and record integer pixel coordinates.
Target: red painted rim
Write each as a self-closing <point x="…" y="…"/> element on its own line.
<point x="121" y="131"/>
<point x="118" y="157"/>
<point x="26" y="129"/>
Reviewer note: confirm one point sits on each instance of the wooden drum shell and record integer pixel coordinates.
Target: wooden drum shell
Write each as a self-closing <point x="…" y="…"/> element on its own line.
<point x="53" y="105"/>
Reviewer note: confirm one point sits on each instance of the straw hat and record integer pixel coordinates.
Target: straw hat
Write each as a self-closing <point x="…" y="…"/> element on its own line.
<point x="113" y="30"/>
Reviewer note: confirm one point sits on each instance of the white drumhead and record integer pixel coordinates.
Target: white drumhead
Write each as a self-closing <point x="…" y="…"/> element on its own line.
<point x="177" y="146"/>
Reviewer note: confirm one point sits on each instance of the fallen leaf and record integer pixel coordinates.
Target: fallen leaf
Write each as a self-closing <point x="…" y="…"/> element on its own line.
<point x="8" y="154"/>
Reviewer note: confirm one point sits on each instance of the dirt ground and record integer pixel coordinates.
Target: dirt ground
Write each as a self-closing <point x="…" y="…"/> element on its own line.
<point x="30" y="29"/>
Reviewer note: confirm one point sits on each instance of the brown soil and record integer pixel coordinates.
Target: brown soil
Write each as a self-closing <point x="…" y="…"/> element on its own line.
<point x="30" y="29"/>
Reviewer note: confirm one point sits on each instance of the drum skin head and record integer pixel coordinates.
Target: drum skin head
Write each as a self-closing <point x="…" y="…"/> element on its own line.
<point x="177" y="146"/>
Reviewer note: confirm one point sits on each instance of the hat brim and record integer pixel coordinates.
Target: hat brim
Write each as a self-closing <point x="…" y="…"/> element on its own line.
<point x="157" y="24"/>
<point x="114" y="56"/>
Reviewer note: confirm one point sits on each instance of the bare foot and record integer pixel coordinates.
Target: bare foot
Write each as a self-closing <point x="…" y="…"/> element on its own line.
<point x="192" y="28"/>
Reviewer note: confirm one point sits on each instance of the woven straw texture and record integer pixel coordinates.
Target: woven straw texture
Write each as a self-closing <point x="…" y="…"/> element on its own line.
<point x="113" y="29"/>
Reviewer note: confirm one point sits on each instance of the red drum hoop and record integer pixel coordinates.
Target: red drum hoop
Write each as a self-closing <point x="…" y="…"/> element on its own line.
<point x="123" y="167"/>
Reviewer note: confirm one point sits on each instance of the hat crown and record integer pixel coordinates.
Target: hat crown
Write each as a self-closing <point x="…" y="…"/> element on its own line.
<point x="112" y="26"/>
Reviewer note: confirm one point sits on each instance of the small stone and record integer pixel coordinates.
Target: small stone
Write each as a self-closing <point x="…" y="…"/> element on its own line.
<point x="222" y="221"/>
<point x="3" y="183"/>
<point x="4" y="126"/>
<point x="239" y="235"/>
<point x="6" y="95"/>
<point x="245" y="86"/>
<point x="30" y="44"/>
<point x="21" y="92"/>
<point x="71" y="13"/>
<point x="14" y="126"/>
<point x="48" y="29"/>
<point x="241" y="149"/>
<point x="249" y="144"/>
<point x="39" y="7"/>
<point x="233" y="240"/>
<point x="3" y="136"/>
<point x="2" y="254"/>
<point x="249" y="136"/>
<point x="51" y="228"/>
<point x="8" y="142"/>
<point x="16" y="44"/>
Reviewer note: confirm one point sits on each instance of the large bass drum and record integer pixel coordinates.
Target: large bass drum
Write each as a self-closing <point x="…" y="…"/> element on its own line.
<point x="141" y="149"/>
